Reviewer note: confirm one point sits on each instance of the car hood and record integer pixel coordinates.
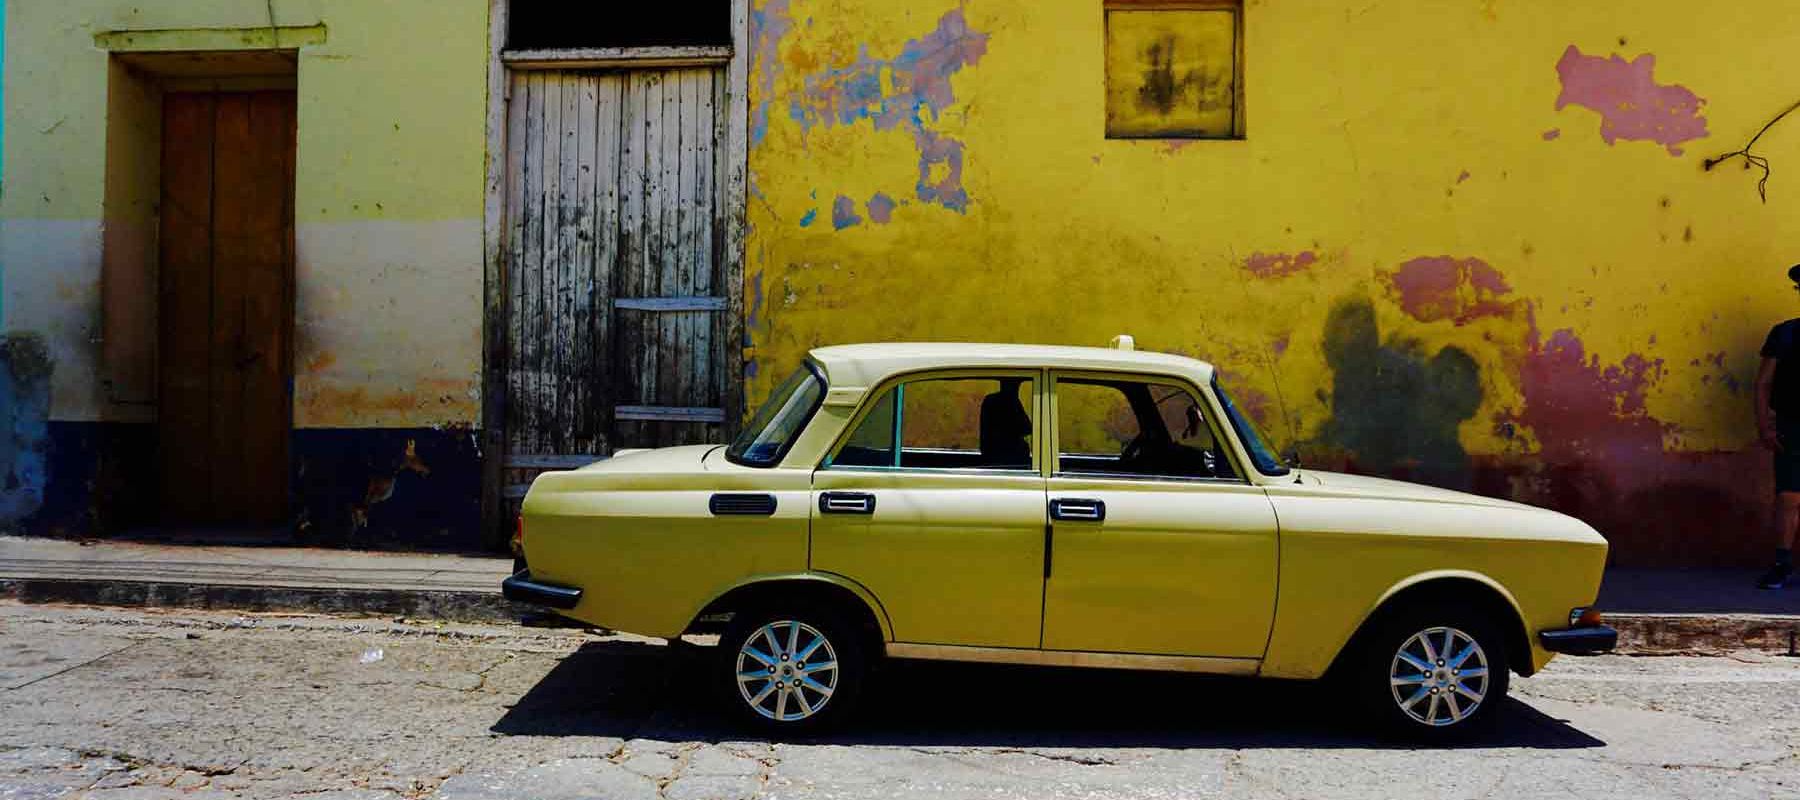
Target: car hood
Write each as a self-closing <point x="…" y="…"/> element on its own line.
<point x="662" y="460"/>
<point x="1401" y="490"/>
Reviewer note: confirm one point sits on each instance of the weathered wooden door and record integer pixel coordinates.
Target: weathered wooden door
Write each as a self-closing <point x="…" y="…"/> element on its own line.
<point x="225" y="306"/>
<point x="615" y="331"/>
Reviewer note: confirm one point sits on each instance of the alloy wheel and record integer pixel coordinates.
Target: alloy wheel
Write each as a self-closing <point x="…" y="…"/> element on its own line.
<point x="787" y="671"/>
<point x="1439" y="676"/>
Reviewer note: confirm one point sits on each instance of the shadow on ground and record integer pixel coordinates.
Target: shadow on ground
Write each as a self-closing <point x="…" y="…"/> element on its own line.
<point x="634" y="690"/>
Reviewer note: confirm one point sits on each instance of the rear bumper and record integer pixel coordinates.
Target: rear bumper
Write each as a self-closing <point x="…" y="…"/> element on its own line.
<point x="1590" y="639"/>
<point x="522" y="588"/>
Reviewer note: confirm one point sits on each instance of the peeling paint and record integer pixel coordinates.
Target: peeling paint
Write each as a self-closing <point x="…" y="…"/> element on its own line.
<point x="1631" y="104"/>
<point x="1438" y="288"/>
<point x="909" y="91"/>
<point x="806" y="220"/>
<point x="769" y="23"/>
<point x="881" y="208"/>
<point x="843" y="213"/>
<point x="1279" y="265"/>
<point x="1552" y="135"/>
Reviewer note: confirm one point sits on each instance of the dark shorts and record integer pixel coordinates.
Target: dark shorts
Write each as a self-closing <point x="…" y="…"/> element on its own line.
<point x="1787" y="461"/>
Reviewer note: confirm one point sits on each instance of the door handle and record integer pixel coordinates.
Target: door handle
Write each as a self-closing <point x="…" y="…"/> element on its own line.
<point x="1071" y="509"/>
<point x="846" y="503"/>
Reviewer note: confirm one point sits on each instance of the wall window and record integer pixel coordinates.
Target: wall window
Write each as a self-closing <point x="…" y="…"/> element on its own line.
<point x="1135" y="428"/>
<point x="1174" y="69"/>
<point x="947" y="423"/>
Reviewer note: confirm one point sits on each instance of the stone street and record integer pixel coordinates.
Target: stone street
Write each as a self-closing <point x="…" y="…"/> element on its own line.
<point x="106" y="703"/>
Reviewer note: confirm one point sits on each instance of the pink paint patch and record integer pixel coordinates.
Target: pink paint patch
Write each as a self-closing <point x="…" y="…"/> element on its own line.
<point x="1438" y="288"/>
<point x="1631" y="104"/>
<point x="1553" y="134"/>
<point x="881" y="208"/>
<point x="1585" y="413"/>
<point x="1463" y="177"/>
<point x="1279" y="265"/>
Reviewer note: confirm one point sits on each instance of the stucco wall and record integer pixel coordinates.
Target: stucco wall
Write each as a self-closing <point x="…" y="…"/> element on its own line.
<point x="388" y="199"/>
<point x="1469" y="243"/>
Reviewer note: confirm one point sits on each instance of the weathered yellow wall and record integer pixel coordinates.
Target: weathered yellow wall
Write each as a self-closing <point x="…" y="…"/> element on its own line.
<point x="388" y="198"/>
<point x="1416" y="263"/>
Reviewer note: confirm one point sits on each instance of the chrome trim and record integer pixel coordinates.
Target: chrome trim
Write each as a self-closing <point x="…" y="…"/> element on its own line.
<point x="1074" y="658"/>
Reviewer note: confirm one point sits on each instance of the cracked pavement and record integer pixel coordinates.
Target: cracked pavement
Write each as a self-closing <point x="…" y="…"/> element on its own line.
<point x="111" y="703"/>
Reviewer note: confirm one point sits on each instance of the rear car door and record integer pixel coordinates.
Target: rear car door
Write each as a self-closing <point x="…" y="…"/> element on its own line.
<point x="935" y="503"/>
<point x="1158" y="543"/>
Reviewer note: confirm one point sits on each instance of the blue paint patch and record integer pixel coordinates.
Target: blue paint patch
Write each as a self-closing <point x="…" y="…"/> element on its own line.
<point x="922" y="92"/>
<point x="806" y="220"/>
<point x="881" y="208"/>
<point x="753" y="324"/>
<point x="843" y="213"/>
<point x="25" y="369"/>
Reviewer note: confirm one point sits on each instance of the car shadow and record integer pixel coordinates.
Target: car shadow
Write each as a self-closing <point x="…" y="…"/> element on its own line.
<point x="645" y="690"/>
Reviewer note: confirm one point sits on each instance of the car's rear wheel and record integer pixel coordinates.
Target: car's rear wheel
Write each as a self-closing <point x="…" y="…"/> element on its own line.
<point x="790" y="670"/>
<point x="1433" y="673"/>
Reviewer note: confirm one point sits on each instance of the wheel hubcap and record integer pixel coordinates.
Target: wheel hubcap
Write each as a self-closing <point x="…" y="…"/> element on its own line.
<point x="787" y="670"/>
<point x="1439" y="676"/>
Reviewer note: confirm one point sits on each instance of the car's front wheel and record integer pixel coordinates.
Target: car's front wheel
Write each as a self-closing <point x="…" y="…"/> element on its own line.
<point x="790" y="670"/>
<point x="1433" y="674"/>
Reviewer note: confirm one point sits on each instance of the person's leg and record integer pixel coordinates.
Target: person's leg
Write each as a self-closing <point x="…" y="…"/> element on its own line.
<point x="1786" y="515"/>
<point x="1782" y="524"/>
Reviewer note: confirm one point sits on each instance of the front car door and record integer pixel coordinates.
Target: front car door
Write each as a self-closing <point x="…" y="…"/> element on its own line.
<point x="935" y="503"/>
<point x="1159" y="545"/>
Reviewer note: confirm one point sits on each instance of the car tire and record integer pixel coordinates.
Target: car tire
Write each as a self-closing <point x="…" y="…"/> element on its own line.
<point x="800" y="694"/>
<point x="1413" y="675"/>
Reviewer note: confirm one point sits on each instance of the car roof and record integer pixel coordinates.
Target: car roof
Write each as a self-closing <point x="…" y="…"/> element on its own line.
<point x="869" y="364"/>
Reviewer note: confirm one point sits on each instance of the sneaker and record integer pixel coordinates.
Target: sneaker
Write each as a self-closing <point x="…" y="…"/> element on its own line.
<point x="1775" y="578"/>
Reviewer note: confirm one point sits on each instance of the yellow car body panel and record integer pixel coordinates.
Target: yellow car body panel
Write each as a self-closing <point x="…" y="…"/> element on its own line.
<point x="1278" y="571"/>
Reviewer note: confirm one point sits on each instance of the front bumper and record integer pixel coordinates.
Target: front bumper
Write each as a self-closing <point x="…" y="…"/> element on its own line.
<point x="1583" y="640"/>
<point x="522" y="588"/>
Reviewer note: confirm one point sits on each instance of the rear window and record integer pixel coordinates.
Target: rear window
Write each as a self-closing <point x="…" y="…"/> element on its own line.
<point x="780" y="420"/>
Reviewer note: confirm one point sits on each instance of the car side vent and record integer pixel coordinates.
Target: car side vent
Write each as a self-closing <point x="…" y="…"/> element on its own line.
<point x="758" y="505"/>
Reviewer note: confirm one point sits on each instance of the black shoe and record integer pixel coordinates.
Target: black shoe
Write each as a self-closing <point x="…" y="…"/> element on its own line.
<point x="1775" y="578"/>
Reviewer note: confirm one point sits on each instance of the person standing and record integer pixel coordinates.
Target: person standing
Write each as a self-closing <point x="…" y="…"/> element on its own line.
<point x="1778" y="427"/>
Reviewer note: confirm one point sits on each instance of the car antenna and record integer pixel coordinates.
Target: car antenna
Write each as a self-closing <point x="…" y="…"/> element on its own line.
<point x="1268" y="354"/>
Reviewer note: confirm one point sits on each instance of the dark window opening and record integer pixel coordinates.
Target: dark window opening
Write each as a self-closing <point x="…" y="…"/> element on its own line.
<point x="559" y="24"/>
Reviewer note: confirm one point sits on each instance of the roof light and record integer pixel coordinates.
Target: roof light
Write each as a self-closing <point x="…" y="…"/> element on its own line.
<point x="1124" y="342"/>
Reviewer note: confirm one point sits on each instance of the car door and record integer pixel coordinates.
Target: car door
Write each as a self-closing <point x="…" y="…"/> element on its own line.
<point x="935" y="503"/>
<point x="1158" y="544"/>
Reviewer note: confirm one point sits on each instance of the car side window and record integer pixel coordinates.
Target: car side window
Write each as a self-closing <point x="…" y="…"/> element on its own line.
<point x="1135" y="428"/>
<point x="947" y="423"/>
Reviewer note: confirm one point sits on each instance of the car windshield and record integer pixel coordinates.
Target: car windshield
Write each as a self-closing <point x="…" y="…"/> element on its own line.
<point x="1266" y="461"/>
<point x="773" y="430"/>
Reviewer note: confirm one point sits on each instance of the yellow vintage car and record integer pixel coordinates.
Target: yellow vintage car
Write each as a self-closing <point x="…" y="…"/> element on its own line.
<point x="1071" y="506"/>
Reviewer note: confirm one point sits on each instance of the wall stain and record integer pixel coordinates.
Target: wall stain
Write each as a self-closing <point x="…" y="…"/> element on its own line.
<point x="1160" y="86"/>
<point x="769" y="23"/>
<point x="1631" y="104"/>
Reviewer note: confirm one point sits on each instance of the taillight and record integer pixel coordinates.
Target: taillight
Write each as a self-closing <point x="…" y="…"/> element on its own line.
<point x="518" y="537"/>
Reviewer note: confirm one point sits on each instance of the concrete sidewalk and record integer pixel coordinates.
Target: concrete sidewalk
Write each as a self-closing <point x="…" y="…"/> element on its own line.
<point x="1655" y="610"/>
<point x="462" y="588"/>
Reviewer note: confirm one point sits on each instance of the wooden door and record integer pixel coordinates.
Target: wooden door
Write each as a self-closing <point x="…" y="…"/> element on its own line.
<point x="614" y="279"/>
<point x="225" y="308"/>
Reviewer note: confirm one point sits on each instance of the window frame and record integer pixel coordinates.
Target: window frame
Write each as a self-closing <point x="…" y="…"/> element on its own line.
<point x="1038" y="377"/>
<point x="1238" y="95"/>
<point x="1227" y="445"/>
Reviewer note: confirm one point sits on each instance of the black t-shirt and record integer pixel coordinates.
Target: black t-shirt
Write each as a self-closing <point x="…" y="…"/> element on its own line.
<point x="1784" y="398"/>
